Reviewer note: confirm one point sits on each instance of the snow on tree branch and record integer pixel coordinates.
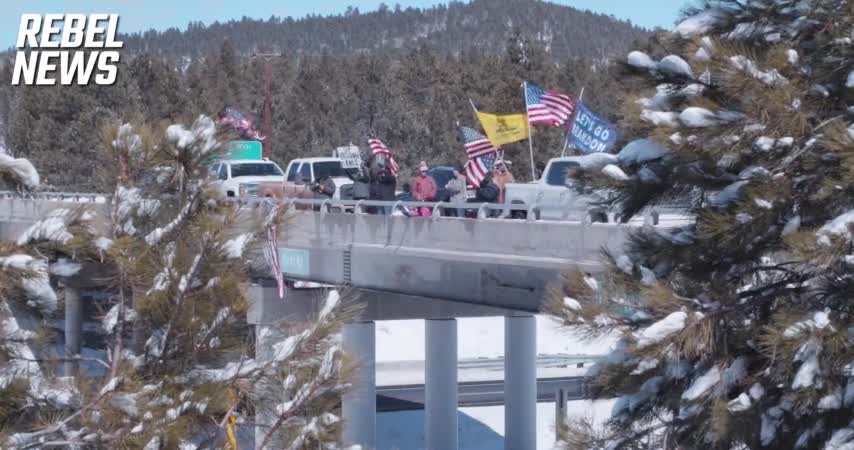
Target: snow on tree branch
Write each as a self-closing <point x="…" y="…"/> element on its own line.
<point x="734" y="327"/>
<point x="179" y="355"/>
<point x="19" y="172"/>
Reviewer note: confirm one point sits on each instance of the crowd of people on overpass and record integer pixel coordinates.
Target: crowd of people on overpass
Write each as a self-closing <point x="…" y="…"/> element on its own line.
<point x="378" y="180"/>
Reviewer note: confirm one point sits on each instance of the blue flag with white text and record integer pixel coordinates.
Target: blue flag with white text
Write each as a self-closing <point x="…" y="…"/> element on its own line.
<point x="590" y="133"/>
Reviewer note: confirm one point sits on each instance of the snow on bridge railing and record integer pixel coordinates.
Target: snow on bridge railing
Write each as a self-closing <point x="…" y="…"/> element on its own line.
<point x="438" y="209"/>
<point x="82" y="197"/>
<point x="530" y="213"/>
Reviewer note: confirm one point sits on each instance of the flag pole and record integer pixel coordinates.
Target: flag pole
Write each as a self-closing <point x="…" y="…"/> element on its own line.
<point x="530" y="141"/>
<point x="575" y="113"/>
<point x="474" y="108"/>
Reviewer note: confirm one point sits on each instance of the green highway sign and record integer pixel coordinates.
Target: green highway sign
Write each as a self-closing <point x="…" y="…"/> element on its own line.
<point x="243" y="150"/>
<point x="293" y="261"/>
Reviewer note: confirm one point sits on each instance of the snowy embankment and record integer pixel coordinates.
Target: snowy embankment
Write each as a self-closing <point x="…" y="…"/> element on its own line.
<point x="400" y="356"/>
<point x="400" y="350"/>
<point x="482" y="427"/>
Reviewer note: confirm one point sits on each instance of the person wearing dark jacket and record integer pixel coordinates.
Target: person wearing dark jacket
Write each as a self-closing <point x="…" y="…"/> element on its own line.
<point x="361" y="179"/>
<point x="323" y="188"/>
<point x="382" y="182"/>
<point x="488" y="191"/>
<point x="382" y="187"/>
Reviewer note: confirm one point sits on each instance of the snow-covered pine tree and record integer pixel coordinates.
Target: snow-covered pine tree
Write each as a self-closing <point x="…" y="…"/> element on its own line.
<point x="178" y="354"/>
<point x="736" y="328"/>
<point x="17" y="173"/>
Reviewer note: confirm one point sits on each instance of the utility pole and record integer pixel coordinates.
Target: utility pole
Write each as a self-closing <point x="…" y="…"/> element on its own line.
<point x="266" y="126"/>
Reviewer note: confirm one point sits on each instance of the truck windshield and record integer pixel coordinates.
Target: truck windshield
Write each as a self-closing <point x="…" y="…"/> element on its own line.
<point x="328" y="169"/>
<point x="254" y="170"/>
<point x="558" y="171"/>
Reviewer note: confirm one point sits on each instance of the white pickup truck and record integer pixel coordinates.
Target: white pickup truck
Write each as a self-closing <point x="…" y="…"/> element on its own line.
<point x="302" y="173"/>
<point x="240" y="177"/>
<point x="555" y="191"/>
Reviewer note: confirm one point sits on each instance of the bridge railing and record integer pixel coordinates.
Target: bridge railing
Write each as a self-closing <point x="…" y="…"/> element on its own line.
<point x="438" y="209"/>
<point x="530" y="213"/>
<point x="86" y="197"/>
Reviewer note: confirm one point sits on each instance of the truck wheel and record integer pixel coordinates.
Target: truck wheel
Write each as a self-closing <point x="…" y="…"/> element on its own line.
<point x="598" y="217"/>
<point x="519" y="213"/>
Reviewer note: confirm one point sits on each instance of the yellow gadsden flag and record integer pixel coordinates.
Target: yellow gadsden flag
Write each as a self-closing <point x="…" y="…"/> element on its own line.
<point x="505" y="128"/>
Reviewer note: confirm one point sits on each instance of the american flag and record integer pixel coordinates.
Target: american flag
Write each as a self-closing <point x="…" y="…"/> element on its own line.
<point x="475" y="143"/>
<point x="548" y="107"/>
<point x="271" y="249"/>
<point x="377" y="148"/>
<point x="477" y="168"/>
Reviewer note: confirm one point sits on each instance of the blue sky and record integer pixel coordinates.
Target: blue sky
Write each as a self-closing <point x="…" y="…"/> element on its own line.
<point x="139" y="15"/>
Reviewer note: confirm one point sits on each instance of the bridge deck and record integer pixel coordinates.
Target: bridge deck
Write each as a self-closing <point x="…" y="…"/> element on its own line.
<point x="500" y="263"/>
<point x="494" y="262"/>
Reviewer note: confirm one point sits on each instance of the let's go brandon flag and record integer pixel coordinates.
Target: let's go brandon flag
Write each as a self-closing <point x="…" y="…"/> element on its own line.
<point x="504" y="128"/>
<point x="589" y="133"/>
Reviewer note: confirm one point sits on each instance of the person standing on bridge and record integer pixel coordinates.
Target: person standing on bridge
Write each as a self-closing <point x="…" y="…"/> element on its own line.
<point x="487" y="191"/>
<point x="424" y="188"/>
<point x="405" y="196"/>
<point x="382" y="181"/>
<point x="457" y="187"/>
<point x="361" y="180"/>
<point x="501" y="177"/>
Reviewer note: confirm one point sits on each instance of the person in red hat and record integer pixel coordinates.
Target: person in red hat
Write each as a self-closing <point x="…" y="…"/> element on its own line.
<point x="424" y="188"/>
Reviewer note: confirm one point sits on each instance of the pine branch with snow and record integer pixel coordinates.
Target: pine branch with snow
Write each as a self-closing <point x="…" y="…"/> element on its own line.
<point x="18" y="173"/>
<point x="734" y="328"/>
<point x="175" y="259"/>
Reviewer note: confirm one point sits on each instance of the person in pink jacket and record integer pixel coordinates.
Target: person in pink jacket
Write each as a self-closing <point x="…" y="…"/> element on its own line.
<point x="423" y="188"/>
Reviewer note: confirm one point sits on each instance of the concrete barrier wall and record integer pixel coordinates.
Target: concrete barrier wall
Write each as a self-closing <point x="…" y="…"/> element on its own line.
<point x="499" y="263"/>
<point x="17" y="214"/>
<point x="474" y="237"/>
<point x="493" y="262"/>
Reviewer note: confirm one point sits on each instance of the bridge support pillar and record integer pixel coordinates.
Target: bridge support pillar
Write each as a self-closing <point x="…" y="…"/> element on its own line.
<point x="359" y="403"/>
<point x="520" y="383"/>
<point x="73" y="329"/>
<point x="440" y="385"/>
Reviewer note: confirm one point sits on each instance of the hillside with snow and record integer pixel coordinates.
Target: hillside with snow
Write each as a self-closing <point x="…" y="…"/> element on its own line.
<point x="565" y="32"/>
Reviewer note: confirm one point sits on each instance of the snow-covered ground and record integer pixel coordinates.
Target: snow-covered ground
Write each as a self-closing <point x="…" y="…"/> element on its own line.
<point x="482" y="428"/>
<point x="480" y="337"/>
<point x="400" y="355"/>
<point x="400" y="350"/>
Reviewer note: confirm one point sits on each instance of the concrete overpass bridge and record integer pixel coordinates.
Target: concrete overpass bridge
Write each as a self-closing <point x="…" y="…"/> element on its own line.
<point x="434" y="268"/>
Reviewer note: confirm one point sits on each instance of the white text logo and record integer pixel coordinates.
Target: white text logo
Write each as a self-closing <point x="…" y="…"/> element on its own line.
<point x="83" y="38"/>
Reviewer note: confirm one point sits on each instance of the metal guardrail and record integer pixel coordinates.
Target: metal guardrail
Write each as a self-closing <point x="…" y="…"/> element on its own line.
<point x="531" y="213"/>
<point x="438" y="209"/>
<point x="57" y="196"/>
